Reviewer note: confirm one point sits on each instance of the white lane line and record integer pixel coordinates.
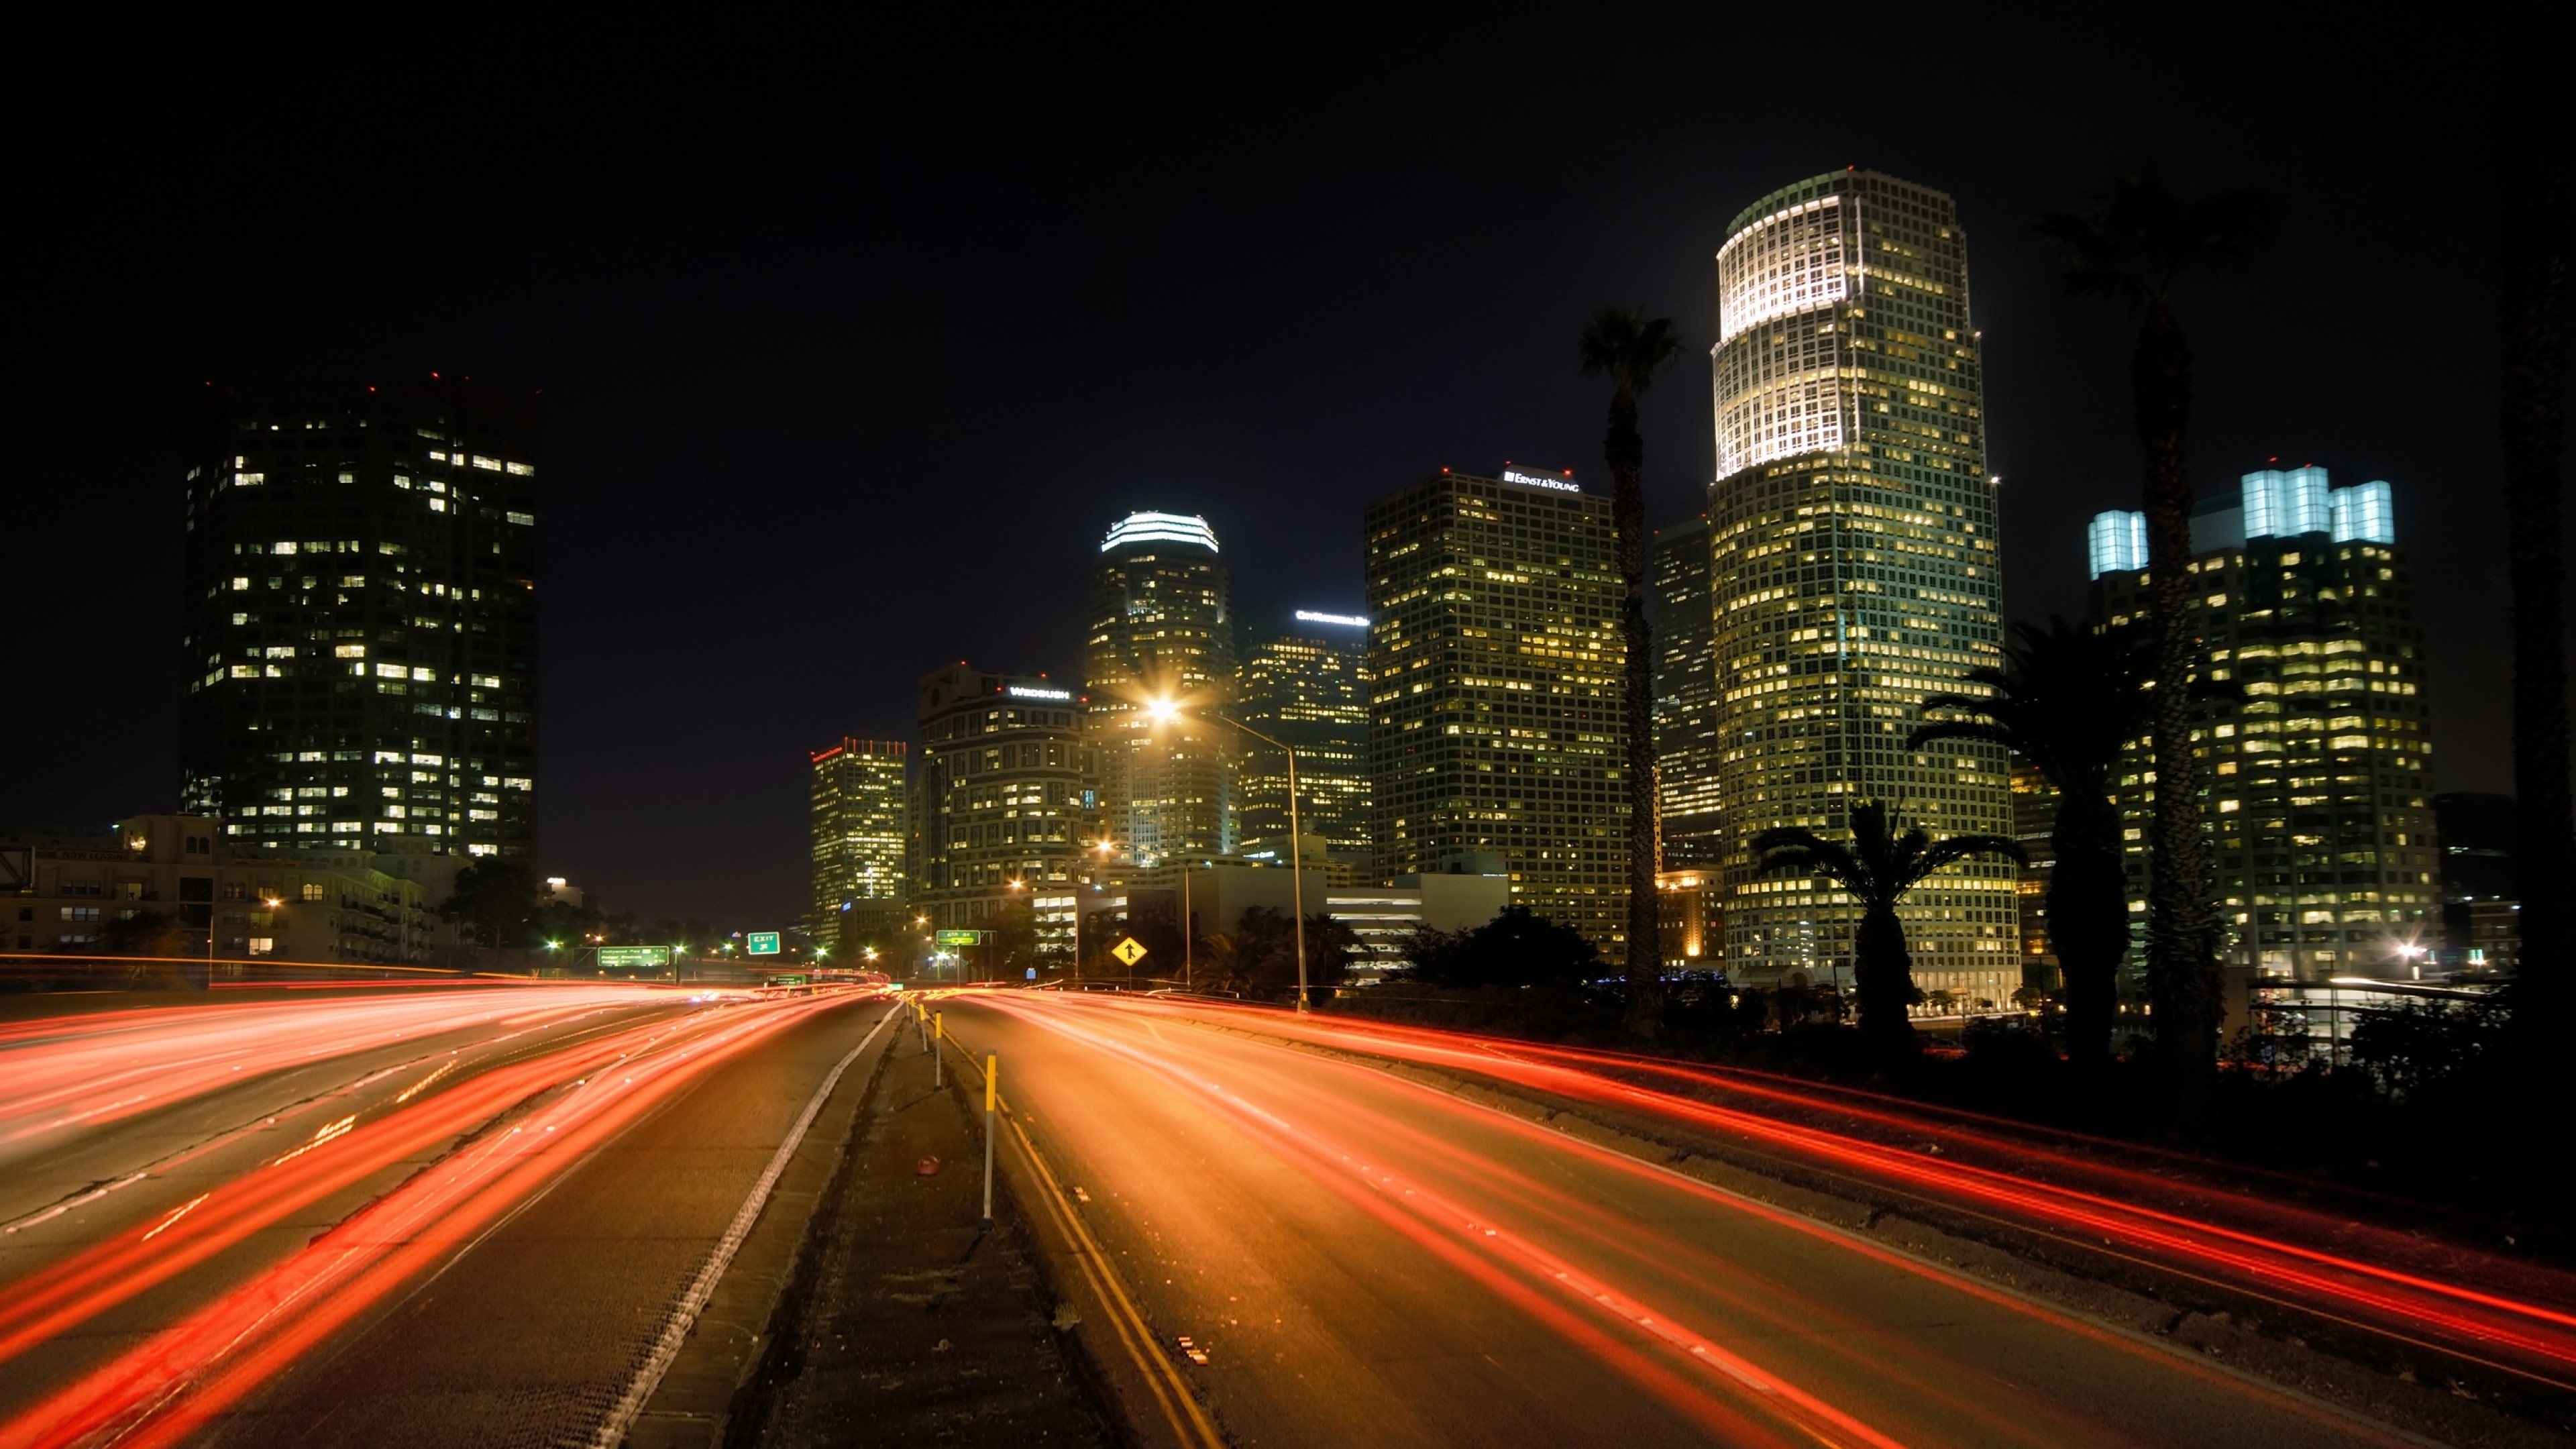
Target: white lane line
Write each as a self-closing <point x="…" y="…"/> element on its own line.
<point x="684" y="1315"/>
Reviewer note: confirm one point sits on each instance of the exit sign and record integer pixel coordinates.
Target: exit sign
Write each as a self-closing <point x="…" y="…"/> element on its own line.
<point x="760" y="943"/>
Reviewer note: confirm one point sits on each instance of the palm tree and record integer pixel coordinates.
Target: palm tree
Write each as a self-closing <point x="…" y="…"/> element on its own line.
<point x="2532" y="230"/>
<point x="2136" y="244"/>
<point x="2067" y="699"/>
<point x="1618" y="342"/>
<point x="1876" y="869"/>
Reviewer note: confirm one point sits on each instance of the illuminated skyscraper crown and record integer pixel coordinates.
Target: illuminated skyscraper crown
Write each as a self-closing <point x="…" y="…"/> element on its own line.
<point x="1161" y="528"/>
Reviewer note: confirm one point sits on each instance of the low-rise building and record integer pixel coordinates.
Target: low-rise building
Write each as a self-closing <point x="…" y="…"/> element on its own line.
<point x="160" y="885"/>
<point x="1690" y="908"/>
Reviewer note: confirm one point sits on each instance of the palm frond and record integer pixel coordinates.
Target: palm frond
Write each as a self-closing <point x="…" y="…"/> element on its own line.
<point x="1619" y="343"/>
<point x="2137" y="239"/>
<point x="1955" y="848"/>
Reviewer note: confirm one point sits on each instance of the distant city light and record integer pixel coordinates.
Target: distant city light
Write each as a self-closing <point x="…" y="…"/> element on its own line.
<point x="1355" y="621"/>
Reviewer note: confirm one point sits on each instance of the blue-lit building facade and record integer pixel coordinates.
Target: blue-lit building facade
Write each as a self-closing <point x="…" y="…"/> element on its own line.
<point x="2316" y="785"/>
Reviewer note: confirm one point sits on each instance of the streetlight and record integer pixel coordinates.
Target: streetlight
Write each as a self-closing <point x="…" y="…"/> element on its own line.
<point x="1164" y="711"/>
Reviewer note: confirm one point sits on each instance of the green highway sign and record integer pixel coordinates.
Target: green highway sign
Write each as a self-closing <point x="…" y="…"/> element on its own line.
<point x="760" y="943"/>
<point x="960" y="938"/>
<point x="797" y="978"/>
<point x="613" y="958"/>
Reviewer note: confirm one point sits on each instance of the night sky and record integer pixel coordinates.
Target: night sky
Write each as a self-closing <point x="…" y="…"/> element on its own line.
<point x="853" y="340"/>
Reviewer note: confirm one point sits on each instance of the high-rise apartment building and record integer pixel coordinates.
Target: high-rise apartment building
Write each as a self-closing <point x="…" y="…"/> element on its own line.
<point x="1494" y="691"/>
<point x="1002" y="803"/>
<point x="1687" y="753"/>
<point x="2318" y="786"/>
<point x="860" y="842"/>
<point x="1306" y="686"/>
<point x="359" y="645"/>
<point x="1854" y="566"/>
<point x="1161" y="633"/>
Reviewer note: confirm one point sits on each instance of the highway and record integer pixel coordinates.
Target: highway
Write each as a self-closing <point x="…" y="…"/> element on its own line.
<point x="439" y="1217"/>
<point x="1356" y="1258"/>
<point x="431" y="1217"/>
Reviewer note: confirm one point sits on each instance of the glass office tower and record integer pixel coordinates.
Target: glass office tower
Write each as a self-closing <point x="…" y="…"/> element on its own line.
<point x="2318" y="787"/>
<point x="1687" y="756"/>
<point x="1306" y="686"/>
<point x="1001" y="805"/>
<point x="1855" y="567"/>
<point x="359" y="645"/>
<point x="859" y="841"/>
<point x="1161" y="634"/>
<point x="1494" y="692"/>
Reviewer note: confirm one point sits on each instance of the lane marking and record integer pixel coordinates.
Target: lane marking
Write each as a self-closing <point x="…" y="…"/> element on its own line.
<point x="684" y="1315"/>
<point x="1171" y="1392"/>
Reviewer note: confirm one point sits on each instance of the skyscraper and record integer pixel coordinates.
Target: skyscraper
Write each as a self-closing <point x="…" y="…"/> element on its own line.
<point x="1687" y="756"/>
<point x="1854" y="559"/>
<point x="859" y="845"/>
<point x="2318" y="796"/>
<point x="1002" y="803"/>
<point x="1494" y="697"/>
<point x="359" y="646"/>
<point x="1307" y="686"/>
<point x="1161" y="632"/>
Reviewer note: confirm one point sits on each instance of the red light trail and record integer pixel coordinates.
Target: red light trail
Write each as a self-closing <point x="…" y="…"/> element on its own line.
<point x="539" y="1108"/>
<point x="2510" y="1316"/>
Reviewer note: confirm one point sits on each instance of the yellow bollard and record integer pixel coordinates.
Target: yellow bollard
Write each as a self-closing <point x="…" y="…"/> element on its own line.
<point x="992" y="1095"/>
<point x="938" y="1034"/>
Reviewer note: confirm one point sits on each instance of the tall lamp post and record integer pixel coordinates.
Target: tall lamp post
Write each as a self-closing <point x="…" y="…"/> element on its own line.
<point x="1163" y="711"/>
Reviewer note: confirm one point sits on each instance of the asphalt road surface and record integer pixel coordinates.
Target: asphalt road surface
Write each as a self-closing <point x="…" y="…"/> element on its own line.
<point x="1356" y="1259"/>
<point x="423" y="1217"/>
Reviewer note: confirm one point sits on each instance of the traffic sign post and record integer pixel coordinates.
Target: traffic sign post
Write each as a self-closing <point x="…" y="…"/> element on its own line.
<point x="760" y="943"/>
<point x="1129" y="951"/>
<point x="628" y="958"/>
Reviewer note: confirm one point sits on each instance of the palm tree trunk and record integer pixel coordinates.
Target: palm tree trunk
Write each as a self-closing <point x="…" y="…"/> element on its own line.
<point x="2534" y="141"/>
<point x="2183" y="980"/>
<point x="2088" y="920"/>
<point x="1883" y="974"/>
<point x="1626" y="453"/>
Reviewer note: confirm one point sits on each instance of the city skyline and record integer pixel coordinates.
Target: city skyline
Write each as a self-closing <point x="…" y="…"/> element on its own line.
<point x="708" y="411"/>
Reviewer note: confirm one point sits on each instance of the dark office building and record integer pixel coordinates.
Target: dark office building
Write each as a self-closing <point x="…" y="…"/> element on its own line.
<point x="1687" y="753"/>
<point x="360" y="617"/>
<point x="2481" y="896"/>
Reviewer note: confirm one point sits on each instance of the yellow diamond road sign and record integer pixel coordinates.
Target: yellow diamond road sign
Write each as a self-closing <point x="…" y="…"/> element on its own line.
<point x="1128" y="951"/>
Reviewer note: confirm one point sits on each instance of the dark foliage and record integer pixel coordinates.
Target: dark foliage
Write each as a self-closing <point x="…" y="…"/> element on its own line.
<point x="1517" y="948"/>
<point x="2067" y="699"/>
<point x="2137" y="243"/>
<point x="147" y="933"/>
<point x="496" y="903"/>
<point x="1876" y="869"/>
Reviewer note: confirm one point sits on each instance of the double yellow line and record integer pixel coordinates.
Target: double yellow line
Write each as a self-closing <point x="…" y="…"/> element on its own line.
<point x="1180" y="1408"/>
